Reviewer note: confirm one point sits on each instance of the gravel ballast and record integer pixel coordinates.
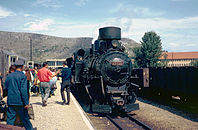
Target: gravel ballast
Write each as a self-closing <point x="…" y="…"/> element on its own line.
<point x="164" y="117"/>
<point x="158" y="117"/>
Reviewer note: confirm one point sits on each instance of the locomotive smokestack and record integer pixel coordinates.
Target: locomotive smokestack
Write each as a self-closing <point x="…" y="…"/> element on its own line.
<point x="110" y="33"/>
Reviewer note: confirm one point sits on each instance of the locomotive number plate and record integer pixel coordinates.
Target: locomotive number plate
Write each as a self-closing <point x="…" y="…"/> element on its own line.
<point x="117" y="62"/>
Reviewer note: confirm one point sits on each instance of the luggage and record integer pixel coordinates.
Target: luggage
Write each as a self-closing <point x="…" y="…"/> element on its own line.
<point x="10" y="127"/>
<point x="3" y="111"/>
<point x="31" y="112"/>
<point x="35" y="89"/>
<point x="3" y="107"/>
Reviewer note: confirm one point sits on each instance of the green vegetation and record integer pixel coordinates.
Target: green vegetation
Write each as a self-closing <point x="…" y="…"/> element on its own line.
<point x="149" y="53"/>
<point x="194" y="63"/>
<point x="164" y="61"/>
<point x="65" y="48"/>
<point x="51" y="49"/>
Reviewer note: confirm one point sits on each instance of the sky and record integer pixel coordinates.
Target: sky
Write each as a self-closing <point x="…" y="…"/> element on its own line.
<point x="175" y="21"/>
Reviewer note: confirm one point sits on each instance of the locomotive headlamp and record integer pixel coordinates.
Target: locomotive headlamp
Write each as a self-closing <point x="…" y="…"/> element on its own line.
<point x="115" y="43"/>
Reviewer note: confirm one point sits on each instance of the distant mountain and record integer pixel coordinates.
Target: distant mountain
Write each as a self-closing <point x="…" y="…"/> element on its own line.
<point x="48" y="47"/>
<point x="129" y="45"/>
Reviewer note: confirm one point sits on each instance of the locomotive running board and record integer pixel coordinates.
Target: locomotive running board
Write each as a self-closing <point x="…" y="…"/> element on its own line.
<point x="131" y="107"/>
<point x="101" y="108"/>
<point x="107" y="109"/>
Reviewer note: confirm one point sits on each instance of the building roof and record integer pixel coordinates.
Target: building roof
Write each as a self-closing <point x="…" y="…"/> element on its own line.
<point x="55" y="59"/>
<point x="181" y="55"/>
<point x="10" y="53"/>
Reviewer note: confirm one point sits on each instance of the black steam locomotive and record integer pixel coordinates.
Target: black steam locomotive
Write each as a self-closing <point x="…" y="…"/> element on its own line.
<point x="103" y="72"/>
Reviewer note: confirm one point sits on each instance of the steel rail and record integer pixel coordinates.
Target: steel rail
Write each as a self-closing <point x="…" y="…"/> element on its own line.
<point x="140" y="123"/>
<point x="116" y="124"/>
<point x="137" y="122"/>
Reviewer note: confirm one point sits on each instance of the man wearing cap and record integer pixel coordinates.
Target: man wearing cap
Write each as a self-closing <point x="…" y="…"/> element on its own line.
<point x="17" y="99"/>
<point x="44" y="75"/>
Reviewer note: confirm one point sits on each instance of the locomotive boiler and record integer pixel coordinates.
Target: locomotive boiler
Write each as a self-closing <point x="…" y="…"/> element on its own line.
<point x="103" y="72"/>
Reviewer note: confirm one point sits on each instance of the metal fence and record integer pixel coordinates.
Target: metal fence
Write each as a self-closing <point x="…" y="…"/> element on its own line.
<point x="178" y="80"/>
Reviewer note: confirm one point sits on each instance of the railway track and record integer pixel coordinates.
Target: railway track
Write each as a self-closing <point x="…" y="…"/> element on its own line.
<point x="127" y="122"/>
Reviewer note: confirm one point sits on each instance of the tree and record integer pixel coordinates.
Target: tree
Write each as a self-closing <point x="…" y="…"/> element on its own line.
<point x="194" y="63"/>
<point x="149" y="53"/>
<point x="163" y="60"/>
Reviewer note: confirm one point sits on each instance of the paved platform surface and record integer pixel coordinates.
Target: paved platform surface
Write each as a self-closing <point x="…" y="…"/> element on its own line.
<point x="56" y="116"/>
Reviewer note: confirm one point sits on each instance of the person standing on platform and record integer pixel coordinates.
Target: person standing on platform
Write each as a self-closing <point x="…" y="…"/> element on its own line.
<point x="1" y="87"/>
<point x="53" y="83"/>
<point x="44" y="75"/>
<point x="66" y="82"/>
<point x="29" y="79"/>
<point x="12" y="68"/>
<point x="17" y="99"/>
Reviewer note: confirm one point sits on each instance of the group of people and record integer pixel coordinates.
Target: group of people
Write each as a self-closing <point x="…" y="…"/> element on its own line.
<point x="17" y="84"/>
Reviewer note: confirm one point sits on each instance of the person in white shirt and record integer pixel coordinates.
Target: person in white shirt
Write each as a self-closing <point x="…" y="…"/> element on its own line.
<point x="53" y="83"/>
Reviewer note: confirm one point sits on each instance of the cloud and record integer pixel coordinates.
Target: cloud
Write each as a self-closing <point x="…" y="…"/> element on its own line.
<point x="132" y="10"/>
<point x="180" y="0"/>
<point x="74" y="29"/>
<point x="133" y="27"/>
<point x="81" y="3"/>
<point x="174" y="44"/>
<point x="138" y="26"/>
<point x="191" y="45"/>
<point x="176" y="34"/>
<point x="163" y="25"/>
<point x="61" y="28"/>
<point x="5" y="13"/>
<point x="48" y="3"/>
<point x="117" y="8"/>
<point x="27" y="15"/>
<point x="180" y="46"/>
<point x="147" y="12"/>
<point x="39" y="25"/>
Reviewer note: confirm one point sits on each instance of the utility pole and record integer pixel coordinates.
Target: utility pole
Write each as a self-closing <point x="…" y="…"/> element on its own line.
<point x="31" y="49"/>
<point x="30" y="63"/>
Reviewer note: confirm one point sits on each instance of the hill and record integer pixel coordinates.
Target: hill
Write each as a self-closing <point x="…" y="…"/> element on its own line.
<point x="48" y="47"/>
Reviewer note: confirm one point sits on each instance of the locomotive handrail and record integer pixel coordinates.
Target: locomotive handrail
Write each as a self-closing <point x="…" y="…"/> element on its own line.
<point x="135" y="85"/>
<point x="102" y="84"/>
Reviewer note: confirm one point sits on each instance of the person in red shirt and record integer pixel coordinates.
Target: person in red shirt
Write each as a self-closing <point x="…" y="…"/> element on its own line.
<point x="44" y="75"/>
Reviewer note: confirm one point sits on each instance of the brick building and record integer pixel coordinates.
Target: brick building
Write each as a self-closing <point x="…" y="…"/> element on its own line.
<point x="179" y="58"/>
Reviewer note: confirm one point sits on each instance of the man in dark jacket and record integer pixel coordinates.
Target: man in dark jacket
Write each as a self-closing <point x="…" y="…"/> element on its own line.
<point x="66" y="82"/>
<point x="17" y="99"/>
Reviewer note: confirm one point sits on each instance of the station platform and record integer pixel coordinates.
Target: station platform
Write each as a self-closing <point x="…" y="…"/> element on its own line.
<point x="56" y="116"/>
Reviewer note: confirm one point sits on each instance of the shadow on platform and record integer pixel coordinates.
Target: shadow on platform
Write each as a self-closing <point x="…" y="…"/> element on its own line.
<point x="58" y="102"/>
<point x="37" y="103"/>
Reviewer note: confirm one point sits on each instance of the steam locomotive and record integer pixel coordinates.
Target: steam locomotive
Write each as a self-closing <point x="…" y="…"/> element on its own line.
<point x="103" y="72"/>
